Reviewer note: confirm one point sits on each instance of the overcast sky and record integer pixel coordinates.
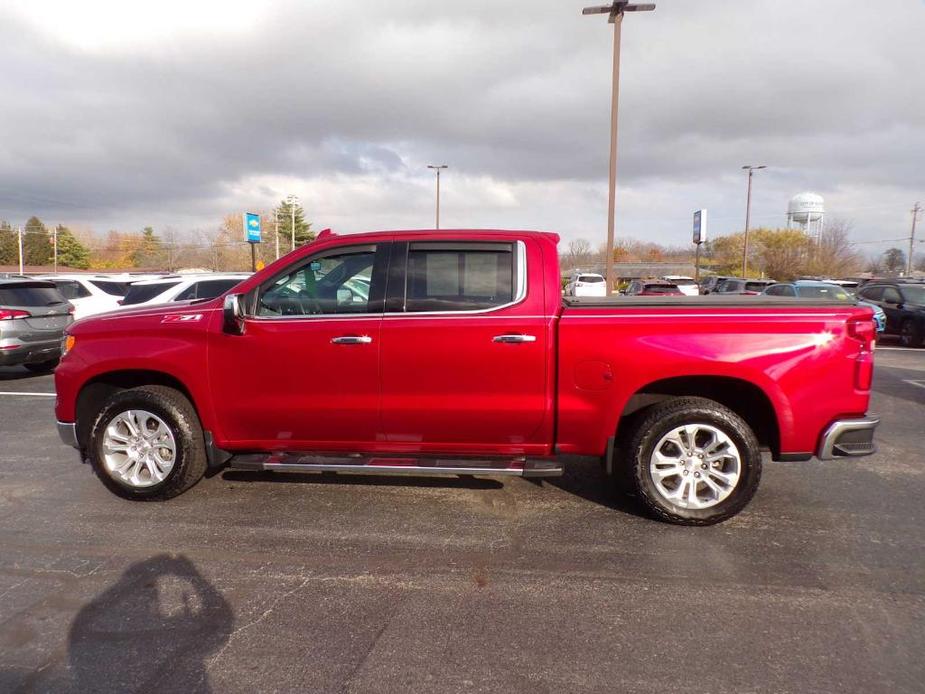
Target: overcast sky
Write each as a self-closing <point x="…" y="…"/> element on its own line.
<point x="118" y="114"/>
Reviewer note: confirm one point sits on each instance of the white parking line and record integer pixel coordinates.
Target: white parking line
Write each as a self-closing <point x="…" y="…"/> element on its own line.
<point x="38" y="395"/>
<point x="920" y="384"/>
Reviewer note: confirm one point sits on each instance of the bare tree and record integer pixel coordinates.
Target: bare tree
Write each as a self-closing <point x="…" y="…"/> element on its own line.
<point x="833" y="255"/>
<point x="578" y="254"/>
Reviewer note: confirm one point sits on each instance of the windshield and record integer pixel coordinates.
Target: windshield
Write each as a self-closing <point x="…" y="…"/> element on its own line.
<point x="111" y="287"/>
<point x="820" y="292"/>
<point x="29" y="295"/>
<point x="914" y="295"/>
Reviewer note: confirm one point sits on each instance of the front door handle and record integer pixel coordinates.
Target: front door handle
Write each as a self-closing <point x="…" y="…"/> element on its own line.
<point x="352" y="340"/>
<point x="514" y="339"/>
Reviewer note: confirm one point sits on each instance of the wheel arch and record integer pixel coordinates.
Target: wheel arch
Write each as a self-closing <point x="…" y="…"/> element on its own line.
<point x="101" y="387"/>
<point x="743" y="397"/>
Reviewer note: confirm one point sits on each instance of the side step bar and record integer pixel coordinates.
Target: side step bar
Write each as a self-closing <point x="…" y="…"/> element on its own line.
<point x="384" y="465"/>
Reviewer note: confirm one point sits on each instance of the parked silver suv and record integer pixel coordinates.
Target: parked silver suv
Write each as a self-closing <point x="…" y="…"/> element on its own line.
<point x="33" y="316"/>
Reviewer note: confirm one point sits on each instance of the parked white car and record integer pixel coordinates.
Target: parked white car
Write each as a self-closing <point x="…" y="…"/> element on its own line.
<point x="686" y="284"/>
<point x="90" y="294"/>
<point x="586" y="284"/>
<point x="181" y="288"/>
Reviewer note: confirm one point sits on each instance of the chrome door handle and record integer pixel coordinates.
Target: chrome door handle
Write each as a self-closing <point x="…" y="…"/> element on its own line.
<point x="352" y="340"/>
<point x="514" y="339"/>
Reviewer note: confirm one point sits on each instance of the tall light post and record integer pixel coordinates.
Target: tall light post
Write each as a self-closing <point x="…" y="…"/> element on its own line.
<point x="438" y="168"/>
<point x="292" y="201"/>
<point x="748" y="214"/>
<point x="615" y="12"/>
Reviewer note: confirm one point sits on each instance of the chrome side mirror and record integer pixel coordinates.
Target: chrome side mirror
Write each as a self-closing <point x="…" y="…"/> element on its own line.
<point x="233" y="312"/>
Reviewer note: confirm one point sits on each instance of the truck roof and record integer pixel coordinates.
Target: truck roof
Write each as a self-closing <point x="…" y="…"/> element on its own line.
<point x="445" y="233"/>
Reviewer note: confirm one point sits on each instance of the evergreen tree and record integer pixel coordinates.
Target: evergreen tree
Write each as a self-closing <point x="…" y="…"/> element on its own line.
<point x="71" y="252"/>
<point x="894" y="260"/>
<point x="303" y="233"/>
<point x="9" y="244"/>
<point x="36" y="243"/>
<point x="150" y="252"/>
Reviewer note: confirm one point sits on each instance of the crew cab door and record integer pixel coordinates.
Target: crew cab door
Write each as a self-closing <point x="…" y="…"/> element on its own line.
<point x="304" y="375"/>
<point x="464" y="349"/>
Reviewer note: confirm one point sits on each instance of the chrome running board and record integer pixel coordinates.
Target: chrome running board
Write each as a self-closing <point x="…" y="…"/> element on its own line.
<point x="386" y="465"/>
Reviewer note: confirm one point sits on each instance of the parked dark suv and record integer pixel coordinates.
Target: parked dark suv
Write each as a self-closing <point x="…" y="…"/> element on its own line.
<point x="33" y="316"/>
<point x="736" y="285"/>
<point x="904" y="305"/>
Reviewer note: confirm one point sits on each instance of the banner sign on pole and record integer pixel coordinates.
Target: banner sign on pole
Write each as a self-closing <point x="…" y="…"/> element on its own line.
<point x="252" y="227"/>
<point x="700" y="226"/>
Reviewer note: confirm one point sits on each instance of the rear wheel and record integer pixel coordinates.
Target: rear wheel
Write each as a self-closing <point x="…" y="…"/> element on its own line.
<point x="693" y="461"/>
<point x="147" y="444"/>
<point x="43" y="367"/>
<point x="909" y="336"/>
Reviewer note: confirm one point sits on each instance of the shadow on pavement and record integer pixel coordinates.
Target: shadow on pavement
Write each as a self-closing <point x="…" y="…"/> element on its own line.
<point x="17" y="373"/>
<point x="585" y="478"/>
<point x="151" y="631"/>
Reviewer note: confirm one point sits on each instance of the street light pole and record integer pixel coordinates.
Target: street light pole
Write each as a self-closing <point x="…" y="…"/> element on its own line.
<point x="615" y="12"/>
<point x="915" y="217"/>
<point x="292" y="201"/>
<point x="438" y="168"/>
<point x="748" y="215"/>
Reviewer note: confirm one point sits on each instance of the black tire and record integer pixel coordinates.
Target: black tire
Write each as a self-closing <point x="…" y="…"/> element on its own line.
<point x="43" y="367"/>
<point x="909" y="336"/>
<point x="180" y="416"/>
<point x="657" y="421"/>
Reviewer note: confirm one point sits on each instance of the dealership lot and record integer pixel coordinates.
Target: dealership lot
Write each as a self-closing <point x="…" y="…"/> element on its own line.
<point x="253" y="582"/>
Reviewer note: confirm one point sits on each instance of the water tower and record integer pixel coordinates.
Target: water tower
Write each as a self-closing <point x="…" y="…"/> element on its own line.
<point x="806" y="210"/>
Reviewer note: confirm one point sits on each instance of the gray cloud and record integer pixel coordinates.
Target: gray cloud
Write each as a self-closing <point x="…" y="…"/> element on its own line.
<point x="346" y="103"/>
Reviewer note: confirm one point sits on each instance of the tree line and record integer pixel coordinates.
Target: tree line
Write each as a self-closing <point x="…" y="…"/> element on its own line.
<point x="220" y="248"/>
<point x="780" y="254"/>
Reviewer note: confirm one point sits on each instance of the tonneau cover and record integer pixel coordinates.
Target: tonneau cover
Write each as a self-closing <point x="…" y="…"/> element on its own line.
<point x="710" y="300"/>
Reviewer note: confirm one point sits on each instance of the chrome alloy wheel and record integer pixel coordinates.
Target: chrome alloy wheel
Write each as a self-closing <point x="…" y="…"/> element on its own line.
<point x="139" y="449"/>
<point x="695" y="466"/>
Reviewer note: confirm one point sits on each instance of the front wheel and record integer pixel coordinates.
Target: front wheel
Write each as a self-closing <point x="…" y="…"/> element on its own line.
<point x="908" y="335"/>
<point x="693" y="461"/>
<point x="147" y="444"/>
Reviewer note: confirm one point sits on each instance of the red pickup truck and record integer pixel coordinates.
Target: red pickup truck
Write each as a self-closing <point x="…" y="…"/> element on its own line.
<point x="453" y="352"/>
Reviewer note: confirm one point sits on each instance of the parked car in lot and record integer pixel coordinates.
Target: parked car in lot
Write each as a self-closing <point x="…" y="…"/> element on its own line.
<point x="687" y="285"/>
<point x="815" y="289"/>
<point x="90" y="294"/>
<point x="736" y="285"/>
<point x="180" y="288"/>
<point x="709" y="284"/>
<point x="33" y="316"/>
<point x="464" y="359"/>
<point x="586" y="284"/>
<point x="652" y="288"/>
<point x="904" y="306"/>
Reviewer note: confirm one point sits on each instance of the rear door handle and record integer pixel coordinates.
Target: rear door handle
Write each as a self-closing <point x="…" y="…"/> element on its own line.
<point x="514" y="339"/>
<point x="352" y="340"/>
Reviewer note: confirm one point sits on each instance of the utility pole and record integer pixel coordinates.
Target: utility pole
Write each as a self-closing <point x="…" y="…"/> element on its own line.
<point x="292" y="200"/>
<point x="276" y="229"/>
<point x="437" y="168"/>
<point x="19" y="243"/>
<point x="748" y="215"/>
<point x="615" y="12"/>
<point x="915" y="215"/>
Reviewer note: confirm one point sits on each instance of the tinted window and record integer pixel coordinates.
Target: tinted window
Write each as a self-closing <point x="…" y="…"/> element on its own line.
<point x="661" y="289"/>
<point x="335" y="283"/>
<point x="776" y="290"/>
<point x="914" y="295"/>
<point x="874" y="293"/>
<point x="29" y="295"/>
<point x="590" y="278"/>
<point x="891" y="296"/>
<point x="459" y="277"/>
<point x="685" y="282"/>
<point x="832" y="292"/>
<point x="110" y="287"/>
<point x="139" y="293"/>
<point x="727" y="286"/>
<point x="209" y="289"/>
<point x="755" y="286"/>
<point x="71" y="289"/>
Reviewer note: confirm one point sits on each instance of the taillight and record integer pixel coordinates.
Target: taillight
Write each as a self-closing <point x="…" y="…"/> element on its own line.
<point x="862" y="329"/>
<point x="11" y="314"/>
<point x="71" y="309"/>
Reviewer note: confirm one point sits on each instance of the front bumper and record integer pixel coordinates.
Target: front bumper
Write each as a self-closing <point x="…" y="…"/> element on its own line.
<point x="849" y="438"/>
<point x="30" y="353"/>
<point x="68" y="433"/>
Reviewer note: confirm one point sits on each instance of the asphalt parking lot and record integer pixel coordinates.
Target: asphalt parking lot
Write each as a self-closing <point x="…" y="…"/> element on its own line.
<point x="354" y="584"/>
